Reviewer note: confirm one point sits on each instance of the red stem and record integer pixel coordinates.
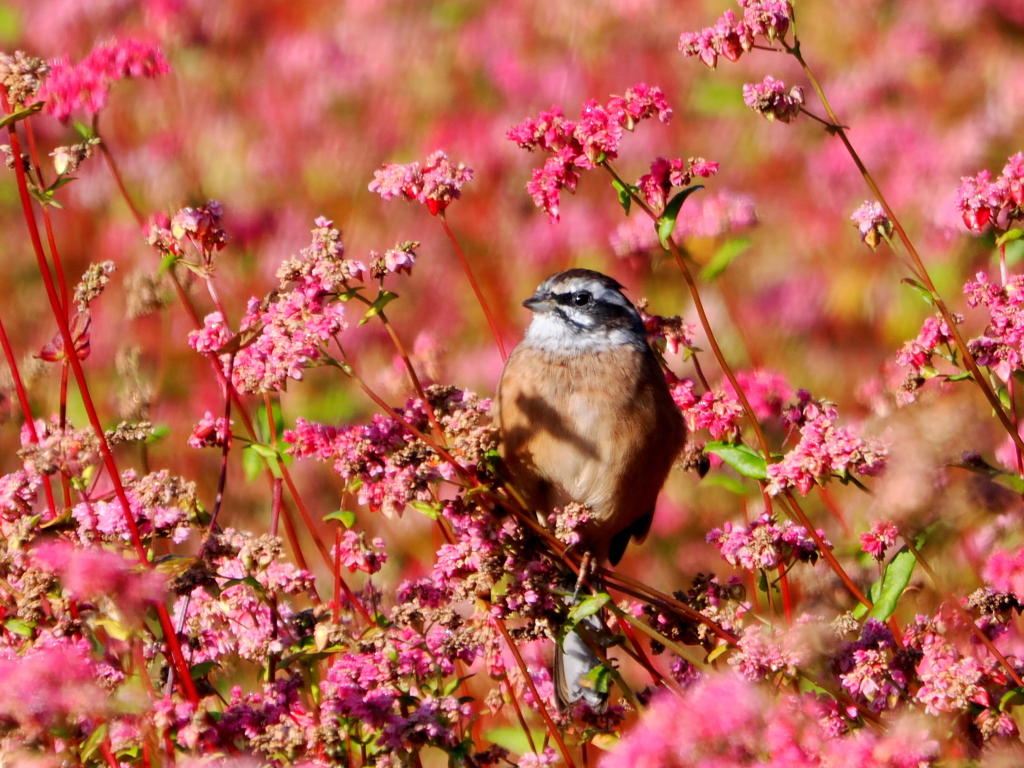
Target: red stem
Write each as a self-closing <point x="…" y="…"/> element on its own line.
<point x="476" y="288"/>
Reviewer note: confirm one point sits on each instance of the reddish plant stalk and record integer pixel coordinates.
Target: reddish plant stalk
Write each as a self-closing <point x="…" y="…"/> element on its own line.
<point x="76" y="367"/>
<point x="337" y="573"/>
<point x="19" y="387"/>
<point x="552" y="728"/>
<point x="837" y="129"/>
<point x="787" y="600"/>
<point x="476" y="288"/>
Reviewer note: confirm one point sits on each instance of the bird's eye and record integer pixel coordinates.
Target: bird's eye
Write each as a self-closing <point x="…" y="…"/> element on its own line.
<point x="581" y="299"/>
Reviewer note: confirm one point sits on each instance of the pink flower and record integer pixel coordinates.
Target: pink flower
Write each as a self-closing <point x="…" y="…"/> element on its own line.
<point x="85" y="85"/>
<point x="1005" y="572"/>
<point x="881" y="536"/>
<point x="981" y="201"/>
<point x="872" y="223"/>
<point x="357" y="555"/>
<point x="212" y="336"/>
<point x="211" y="432"/>
<point x="666" y="174"/>
<point x="765" y="543"/>
<point x="90" y="574"/>
<point x="582" y="145"/>
<point x="766" y="391"/>
<point x="770" y="99"/>
<point x="731" y="38"/>
<point x="716" y="411"/>
<point x="1002" y="344"/>
<point x="436" y="184"/>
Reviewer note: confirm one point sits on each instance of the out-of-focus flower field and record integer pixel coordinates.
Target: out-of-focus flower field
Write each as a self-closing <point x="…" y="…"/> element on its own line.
<point x="257" y="516"/>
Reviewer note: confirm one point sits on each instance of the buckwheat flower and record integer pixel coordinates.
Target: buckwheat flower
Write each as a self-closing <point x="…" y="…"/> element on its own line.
<point x="214" y="334"/>
<point x="211" y="432"/>
<point x="93" y="573"/>
<point x="666" y="174"/>
<point x="21" y="76"/>
<point x="917" y="354"/>
<point x="436" y="184"/>
<point x="675" y="333"/>
<point x="730" y="38"/>
<point x="766" y="391"/>
<point x="769" y="18"/>
<point x="565" y="522"/>
<point x="872" y="223"/>
<point x="66" y="450"/>
<point x="717" y="411"/>
<point x="395" y="260"/>
<point x="763" y="654"/>
<point x="357" y="555"/>
<point x="17" y="494"/>
<point x="1002" y="345"/>
<point x="85" y="85"/>
<point x="869" y="669"/>
<point x="52" y="685"/>
<point x="202" y="226"/>
<point x="982" y="201"/>
<point x="823" y="450"/>
<point x="92" y="284"/>
<point x="576" y="146"/>
<point x="771" y="100"/>
<point x="1005" y="572"/>
<point x="764" y="543"/>
<point x="533" y="760"/>
<point x="881" y="536"/>
<point x="950" y="681"/>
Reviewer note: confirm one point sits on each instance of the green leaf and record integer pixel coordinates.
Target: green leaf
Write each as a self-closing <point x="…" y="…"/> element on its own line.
<point x="587" y="607"/>
<point x="723" y="257"/>
<point x="92" y="744"/>
<point x="667" y="221"/>
<point x="347" y="517"/>
<point x="742" y="458"/>
<point x="159" y="432"/>
<point x="20" y="114"/>
<point x="166" y="263"/>
<point x="624" y="197"/>
<point x="385" y="298"/>
<point x="886" y="592"/>
<point x="19" y="627"/>
<point x="1014" y="482"/>
<point x="718" y="651"/>
<point x="452" y="685"/>
<point x="919" y="288"/>
<point x="261" y="420"/>
<point x="727" y="482"/>
<point x="84" y="130"/>
<point x="426" y="508"/>
<point x="959" y="376"/>
<point x="1012" y="698"/>
<point x="598" y="679"/>
<point x="1009" y="236"/>
<point x="252" y="464"/>
<point x="265" y="451"/>
<point x="202" y="669"/>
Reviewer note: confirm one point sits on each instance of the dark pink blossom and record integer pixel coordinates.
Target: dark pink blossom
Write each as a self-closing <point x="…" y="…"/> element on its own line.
<point x="656" y="186"/>
<point x="771" y="100"/>
<point x="436" y="184"/>
<point x="824" y="450"/>
<point x="872" y="223"/>
<point x="214" y="334"/>
<point x="211" y="432"/>
<point x="766" y="391"/>
<point x="357" y="555"/>
<point x="717" y="411"/>
<point x="1001" y="346"/>
<point x="730" y="38"/>
<point x="881" y="536"/>
<point x="576" y="146"/>
<point x="765" y="543"/>
<point x="85" y="85"/>
<point x="982" y="201"/>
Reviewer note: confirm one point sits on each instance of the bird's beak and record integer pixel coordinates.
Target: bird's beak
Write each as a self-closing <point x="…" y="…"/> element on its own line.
<point x="535" y="303"/>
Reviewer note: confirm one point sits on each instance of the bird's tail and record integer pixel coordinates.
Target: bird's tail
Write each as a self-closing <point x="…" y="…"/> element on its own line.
<point x="574" y="662"/>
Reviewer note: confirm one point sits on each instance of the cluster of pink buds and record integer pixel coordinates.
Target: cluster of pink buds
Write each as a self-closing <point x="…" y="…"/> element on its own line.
<point x="873" y="223"/>
<point x="982" y="201"/>
<point x="666" y="174"/>
<point x="772" y="101"/>
<point x="436" y="184"/>
<point x="583" y="144"/>
<point x="731" y="38"/>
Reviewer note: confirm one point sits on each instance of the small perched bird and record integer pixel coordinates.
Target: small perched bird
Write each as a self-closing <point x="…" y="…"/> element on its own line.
<point x="585" y="415"/>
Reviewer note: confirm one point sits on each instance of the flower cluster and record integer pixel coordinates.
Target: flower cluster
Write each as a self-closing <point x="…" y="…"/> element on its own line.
<point x="395" y="260"/>
<point x="731" y="38"/>
<point x="871" y="670"/>
<point x="917" y="354"/>
<point x="881" y="536"/>
<point x="85" y="85"/>
<point x="824" y="449"/>
<point x="981" y="201"/>
<point x="669" y="333"/>
<point x="1001" y="346"/>
<point x="581" y="145"/>
<point x="21" y="75"/>
<point x="656" y="186"/>
<point x="211" y="432"/>
<point x="357" y="555"/>
<point x="771" y="100"/>
<point x="716" y="410"/>
<point x="765" y="543"/>
<point x="872" y="222"/>
<point x="436" y="184"/>
<point x="766" y="391"/>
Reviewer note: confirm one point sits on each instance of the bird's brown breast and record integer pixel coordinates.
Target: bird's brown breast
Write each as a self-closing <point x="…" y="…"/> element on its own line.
<point x="598" y="429"/>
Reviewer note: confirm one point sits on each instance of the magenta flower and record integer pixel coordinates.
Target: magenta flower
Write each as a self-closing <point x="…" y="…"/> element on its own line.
<point x="656" y="186"/>
<point x="731" y="38"/>
<point x="823" y="450"/>
<point x="982" y="201"/>
<point x="86" y="84"/>
<point x="881" y="536"/>
<point x="436" y="184"/>
<point x="576" y="146"/>
<point x="717" y="411"/>
<point x="211" y="432"/>
<point x="766" y="391"/>
<point x="1001" y="346"/>
<point x="357" y="555"/>
<point x="765" y="543"/>
<point x="93" y="573"/>
<point x="202" y="226"/>
<point x="872" y="223"/>
<point x="771" y="100"/>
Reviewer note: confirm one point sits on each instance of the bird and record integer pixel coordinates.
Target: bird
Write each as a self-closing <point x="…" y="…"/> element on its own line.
<point x="584" y="415"/>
